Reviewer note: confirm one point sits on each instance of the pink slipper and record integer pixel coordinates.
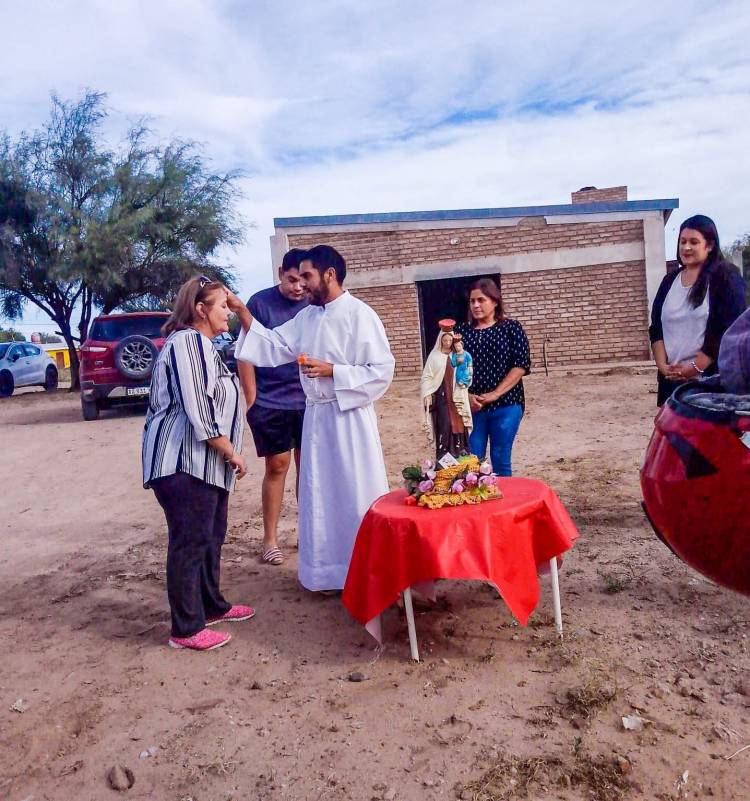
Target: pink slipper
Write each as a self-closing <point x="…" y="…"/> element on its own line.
<point x="233" y="615"/>
<point x="204" y="640"/>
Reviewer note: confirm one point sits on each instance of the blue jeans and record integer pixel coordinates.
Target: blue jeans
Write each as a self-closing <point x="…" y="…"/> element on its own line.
<point x="500" y="426"/>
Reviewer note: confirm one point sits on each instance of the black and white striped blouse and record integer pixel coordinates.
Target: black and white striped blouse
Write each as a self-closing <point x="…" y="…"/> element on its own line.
<point x="194" y="397"/>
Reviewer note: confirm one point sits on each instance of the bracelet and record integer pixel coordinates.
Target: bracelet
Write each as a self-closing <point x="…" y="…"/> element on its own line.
<point x="696" y="368"/>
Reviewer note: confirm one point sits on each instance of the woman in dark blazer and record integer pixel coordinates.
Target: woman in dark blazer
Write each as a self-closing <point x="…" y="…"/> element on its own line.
<point x="693" y="307"/>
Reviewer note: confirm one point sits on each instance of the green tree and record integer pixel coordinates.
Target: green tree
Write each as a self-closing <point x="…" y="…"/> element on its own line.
<point x="85" y="227"/>
<point x="51" y="183"/>
<point x="166" y="217"/>
<point x="11" y="335"/>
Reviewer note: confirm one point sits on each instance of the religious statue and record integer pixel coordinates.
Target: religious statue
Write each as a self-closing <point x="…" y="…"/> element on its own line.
<point x="444" y="389"/>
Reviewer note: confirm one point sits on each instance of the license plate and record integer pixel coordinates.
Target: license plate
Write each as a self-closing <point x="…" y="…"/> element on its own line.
<point x="136" y="390"/>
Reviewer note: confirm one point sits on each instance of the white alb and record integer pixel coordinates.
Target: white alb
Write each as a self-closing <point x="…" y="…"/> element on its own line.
<point x="342" y="470"/>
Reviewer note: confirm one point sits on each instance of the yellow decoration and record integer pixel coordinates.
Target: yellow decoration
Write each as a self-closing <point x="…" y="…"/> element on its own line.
<point x="433" y="500"/>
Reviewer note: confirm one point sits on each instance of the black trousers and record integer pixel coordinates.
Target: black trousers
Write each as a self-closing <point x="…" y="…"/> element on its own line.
<point x="196" y="515"/>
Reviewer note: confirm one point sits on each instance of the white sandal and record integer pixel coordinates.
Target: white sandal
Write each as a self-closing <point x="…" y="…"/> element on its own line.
<point x="273" y="556"/>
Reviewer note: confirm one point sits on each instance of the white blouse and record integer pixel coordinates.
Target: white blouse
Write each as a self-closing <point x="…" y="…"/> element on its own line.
<point x="684" y="327"/>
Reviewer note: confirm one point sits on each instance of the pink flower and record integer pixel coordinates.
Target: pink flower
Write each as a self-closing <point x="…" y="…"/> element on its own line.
<point x="485" y="468"/>
<point x="426" y="486"/>
<point x="471" y="479"/>
<point x="430" y="474"/>
<point x="427" y="464"/>
<point x="487" y="481"/>
<point x="458" y="487"/>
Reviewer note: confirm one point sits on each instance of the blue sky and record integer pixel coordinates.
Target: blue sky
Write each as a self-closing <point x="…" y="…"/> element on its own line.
<point x="338" y="106"/>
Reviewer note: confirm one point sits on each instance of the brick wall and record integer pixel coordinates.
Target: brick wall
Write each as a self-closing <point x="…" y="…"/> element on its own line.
<point x="398" y="308"/>
<point x="609" y="194"/>
<point x="590" y="314"/>
<point x="370" y="250"/>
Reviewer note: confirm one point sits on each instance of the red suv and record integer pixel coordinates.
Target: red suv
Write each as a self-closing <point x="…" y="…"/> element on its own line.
<point x="117" y="360"/>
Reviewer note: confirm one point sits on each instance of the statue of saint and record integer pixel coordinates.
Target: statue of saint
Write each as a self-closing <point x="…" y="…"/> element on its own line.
<point x="444" y="389"/>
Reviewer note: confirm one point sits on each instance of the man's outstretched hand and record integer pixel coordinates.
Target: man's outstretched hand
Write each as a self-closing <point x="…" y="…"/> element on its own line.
<point x="234" y="303"/>
<point x="238" y="307"/>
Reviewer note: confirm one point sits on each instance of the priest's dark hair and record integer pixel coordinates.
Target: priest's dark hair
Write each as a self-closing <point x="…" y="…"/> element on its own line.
<point x="706" y="227"/>
<point x="324" y="257"/>
<point x="292" y="259"/>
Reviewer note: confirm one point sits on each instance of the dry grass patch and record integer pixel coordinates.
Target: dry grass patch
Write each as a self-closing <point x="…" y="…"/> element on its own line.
<point x="512" y="777"/>
<point x="589" y="698"/>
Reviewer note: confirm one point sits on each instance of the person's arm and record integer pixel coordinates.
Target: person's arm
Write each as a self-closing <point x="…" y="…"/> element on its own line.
<point x="194" y="367"/>
<point x="655" y="330"/>
<point x="475" y="402"/>
<point x="521" y="361"/>
<point x="366" y="380"/>
<point x="359" y="384"/>
<point x="224" y="446"/>
<point x="261" y="346"/>
<point x="512" y="377"/>
<point x="245" y="370"/>
<point x="660" y="358"/>
<point x="726" y="304"/>
<point x="239" y="308"/>
<point x="246" y="373"/>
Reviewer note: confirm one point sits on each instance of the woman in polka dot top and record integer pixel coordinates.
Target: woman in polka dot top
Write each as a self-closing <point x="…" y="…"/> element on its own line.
<point x="500" y="353"/>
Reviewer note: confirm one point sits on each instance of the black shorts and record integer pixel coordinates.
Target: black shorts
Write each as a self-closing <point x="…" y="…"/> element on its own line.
<point x="275" y="430"/>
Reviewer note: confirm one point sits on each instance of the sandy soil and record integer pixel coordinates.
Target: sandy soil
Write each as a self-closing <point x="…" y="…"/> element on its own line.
<point x="493" y="711"/>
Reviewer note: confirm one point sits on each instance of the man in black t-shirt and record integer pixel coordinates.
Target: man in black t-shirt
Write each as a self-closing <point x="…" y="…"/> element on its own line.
<point x="276" y="402"/>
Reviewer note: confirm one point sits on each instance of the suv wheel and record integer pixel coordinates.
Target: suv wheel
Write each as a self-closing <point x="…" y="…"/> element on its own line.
<point x="135" y="356"/>
<point x="89" y="409"/>
<point x="50" y="379"/>
<point x="7" y="384"/>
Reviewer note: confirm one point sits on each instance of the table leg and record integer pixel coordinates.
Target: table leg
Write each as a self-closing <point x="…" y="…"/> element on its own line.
<point x="556" y="594"/>
<point x="409" y="609"/>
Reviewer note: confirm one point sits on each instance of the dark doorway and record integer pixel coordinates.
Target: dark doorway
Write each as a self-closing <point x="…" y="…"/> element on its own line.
<point x="440" y="298"/>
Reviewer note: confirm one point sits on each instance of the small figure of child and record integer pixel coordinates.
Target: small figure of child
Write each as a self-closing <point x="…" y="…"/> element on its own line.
<point x="461" y="363"/>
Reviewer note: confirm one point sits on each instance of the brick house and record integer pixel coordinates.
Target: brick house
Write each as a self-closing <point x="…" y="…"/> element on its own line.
<point x="580" y="277"/>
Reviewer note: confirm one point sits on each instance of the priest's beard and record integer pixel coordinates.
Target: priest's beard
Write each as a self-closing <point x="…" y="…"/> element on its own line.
<point x="319" y="295"/>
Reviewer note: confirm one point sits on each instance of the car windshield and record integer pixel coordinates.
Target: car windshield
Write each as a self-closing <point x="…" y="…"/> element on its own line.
<point x="120" y="327"/>
<point x="4" y="350"/>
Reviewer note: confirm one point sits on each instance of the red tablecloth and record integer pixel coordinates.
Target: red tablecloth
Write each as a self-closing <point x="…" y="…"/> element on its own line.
<point x="500" y="541"/>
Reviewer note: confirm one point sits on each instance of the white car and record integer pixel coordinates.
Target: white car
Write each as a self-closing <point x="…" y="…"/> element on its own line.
<point x="24" y="365"/>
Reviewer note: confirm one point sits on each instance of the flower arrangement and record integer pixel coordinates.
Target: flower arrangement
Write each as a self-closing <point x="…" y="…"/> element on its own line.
<point x="466" y="482"/>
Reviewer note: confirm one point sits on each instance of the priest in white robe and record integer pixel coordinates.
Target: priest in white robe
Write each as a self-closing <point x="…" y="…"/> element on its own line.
<point x="347" y="366"/>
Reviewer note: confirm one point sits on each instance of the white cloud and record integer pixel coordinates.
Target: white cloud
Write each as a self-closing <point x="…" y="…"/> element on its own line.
<point x="338" y="106"/>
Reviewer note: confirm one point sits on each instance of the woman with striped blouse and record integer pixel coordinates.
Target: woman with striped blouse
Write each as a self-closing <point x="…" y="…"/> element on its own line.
<point x="191" y="459"/>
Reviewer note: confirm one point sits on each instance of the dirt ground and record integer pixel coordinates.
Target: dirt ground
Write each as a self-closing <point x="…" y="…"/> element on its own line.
<point x="494" y="711"/>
